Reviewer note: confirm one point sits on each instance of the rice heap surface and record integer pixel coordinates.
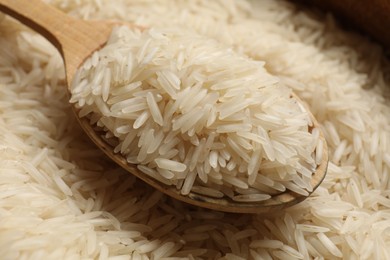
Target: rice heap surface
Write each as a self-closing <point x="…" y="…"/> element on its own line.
<point x="190" y="112"/>
<point x="61" y="199"/>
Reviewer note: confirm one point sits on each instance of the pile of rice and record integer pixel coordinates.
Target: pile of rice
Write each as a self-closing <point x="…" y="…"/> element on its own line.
<point x="192" y="113"/>
<point x="60" y="198"/>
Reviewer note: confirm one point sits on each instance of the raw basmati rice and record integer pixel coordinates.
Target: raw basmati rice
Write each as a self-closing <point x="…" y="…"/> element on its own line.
<point x="340" y="75"/>
<point x="254" y="117"/>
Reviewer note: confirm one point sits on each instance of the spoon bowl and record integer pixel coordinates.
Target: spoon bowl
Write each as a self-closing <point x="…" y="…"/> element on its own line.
<point x="277" y="202"/>
<point x="76" y="40"/>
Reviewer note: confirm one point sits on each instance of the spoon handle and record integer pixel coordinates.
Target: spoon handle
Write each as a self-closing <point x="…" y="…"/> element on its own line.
<point x="44" y="19"/>
<point x="75" y="39"/>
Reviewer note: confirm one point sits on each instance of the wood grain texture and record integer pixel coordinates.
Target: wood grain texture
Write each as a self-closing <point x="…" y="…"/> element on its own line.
<point x="371" y="17"/>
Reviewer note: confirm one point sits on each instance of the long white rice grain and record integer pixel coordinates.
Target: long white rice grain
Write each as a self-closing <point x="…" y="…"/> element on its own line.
<point x="188" y="183"/>
<point x="170" y="165"/>
<point x="162" y="250"/>
<point x="311" y="228"/>
<point x="300" y="241"/>
<point x="154" y="110"/>
<point x="329" y="245"/>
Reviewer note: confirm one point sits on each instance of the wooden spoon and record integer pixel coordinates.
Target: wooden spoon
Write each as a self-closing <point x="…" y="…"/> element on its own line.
<point x="77" y="40"/>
